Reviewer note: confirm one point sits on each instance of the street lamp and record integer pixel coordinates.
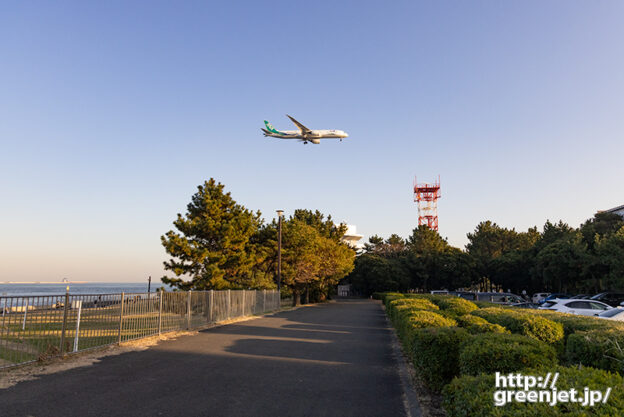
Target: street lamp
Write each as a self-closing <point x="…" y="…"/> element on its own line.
<point x="280" y="213"/>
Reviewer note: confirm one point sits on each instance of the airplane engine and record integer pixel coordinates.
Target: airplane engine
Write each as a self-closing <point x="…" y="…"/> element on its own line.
<point x="315" y="141"/>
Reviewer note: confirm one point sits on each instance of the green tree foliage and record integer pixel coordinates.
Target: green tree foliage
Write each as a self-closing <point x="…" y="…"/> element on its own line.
<point x="589" y="259"/>
<point x="313" y="257"/>
<point x="212" y="248"/>
<point x="220" y="244"/>
<point x="423" y="261"/>
<point x="601" y="225"/>
<point x="610" y="254"/>
<point x="424" y="241"/>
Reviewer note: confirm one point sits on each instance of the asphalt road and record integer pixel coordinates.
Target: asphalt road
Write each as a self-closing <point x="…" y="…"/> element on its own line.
<point x="334" y="359"/>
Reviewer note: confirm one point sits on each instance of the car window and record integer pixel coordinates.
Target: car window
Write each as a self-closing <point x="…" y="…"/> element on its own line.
<point x="597" y="306"/>
<point x="579" y="304"/>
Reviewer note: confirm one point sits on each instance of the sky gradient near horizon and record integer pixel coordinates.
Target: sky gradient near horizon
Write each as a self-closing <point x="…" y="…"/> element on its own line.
<point x="113" y="112"/>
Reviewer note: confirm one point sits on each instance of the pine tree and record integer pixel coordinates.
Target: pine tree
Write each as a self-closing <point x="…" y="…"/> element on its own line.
<point x="212" y="249"/>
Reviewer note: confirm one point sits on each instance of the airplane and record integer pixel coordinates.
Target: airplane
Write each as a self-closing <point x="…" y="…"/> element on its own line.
<point x="303" y="134"/>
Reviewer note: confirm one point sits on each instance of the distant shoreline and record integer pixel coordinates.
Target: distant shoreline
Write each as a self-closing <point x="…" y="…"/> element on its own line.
<point x="64" y="283"/>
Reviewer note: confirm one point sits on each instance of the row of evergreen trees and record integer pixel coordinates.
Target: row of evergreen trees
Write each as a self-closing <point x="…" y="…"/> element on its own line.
<point x="219" y="244"/>
<point x="560" y="258"/>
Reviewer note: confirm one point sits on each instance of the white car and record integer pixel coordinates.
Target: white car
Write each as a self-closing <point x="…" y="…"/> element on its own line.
<point x="574" y="306"/>
<point x="540" y="296"/>
<point x="613" y="314"/>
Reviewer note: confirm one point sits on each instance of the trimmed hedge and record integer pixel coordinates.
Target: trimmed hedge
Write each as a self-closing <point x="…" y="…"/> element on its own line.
<point x="473" y="396"/>
<point x="523" y="323"/>
<point x="389" y="296"/>
<point x="404" y="307"/>
<point x="602" y="349"/>
<point x="435" y="354"/>
<point x="477" y="325"/>
<point x="574" y="323"/>
<point x="456" y="305"/>
<point x="407" y="324"/>
<point x="505" y="353"/>
<point x="485" y="304"/>
<point x="470" y="320"/>
<point x="486" y="328"/>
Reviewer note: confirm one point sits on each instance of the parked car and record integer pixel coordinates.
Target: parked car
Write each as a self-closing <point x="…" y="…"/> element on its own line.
<point x="499" y="297"/>
<point x="614" y="299"/>
<point x="581" y="297"/>
<point x="466" y="295"/>
<point x="613" y="314"/>
<point x="553" y="296"/>
<point x="537" y="297"/>
<point x="440" y="292"/>
<point x="573" y="306"/>
<point x="526" y="305"/>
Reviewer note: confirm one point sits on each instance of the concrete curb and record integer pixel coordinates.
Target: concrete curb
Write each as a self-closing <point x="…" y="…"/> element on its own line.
<point x="410" y="399"/>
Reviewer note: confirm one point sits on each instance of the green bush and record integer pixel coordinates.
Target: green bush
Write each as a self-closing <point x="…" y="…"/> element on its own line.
<point x="473" y="396"/>
<point x="602" y="349"/>
<point x="574" y="323"/>
<point x="403" y="307"/>
<point x="420" y="319"/>
<point x="485" y="304"/>
<point x="389" y="296"/>
<point x="477" y="325"/>
<point x="486" y="328"/>
<point x="491" y="352"/>
<point x="435" y="354"/>
<point x="524" y="323"/>
<point x="421" y="303"/>
<point x="470" y="320"/>
<point x="455" y="304"/>
<point x="378" y="296"/>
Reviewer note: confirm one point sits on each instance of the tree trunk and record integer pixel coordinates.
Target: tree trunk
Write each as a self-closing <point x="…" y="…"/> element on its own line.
<point x="296" y="297"/>
<point x="307" y="295"/>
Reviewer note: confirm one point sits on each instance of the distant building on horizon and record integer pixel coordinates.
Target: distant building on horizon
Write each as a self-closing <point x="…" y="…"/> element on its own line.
<point x="616" y="210"/>
<point x="352" y="239"/>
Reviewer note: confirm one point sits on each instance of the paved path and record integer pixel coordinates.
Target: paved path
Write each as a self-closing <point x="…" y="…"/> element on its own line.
<point x="328" y="360"/>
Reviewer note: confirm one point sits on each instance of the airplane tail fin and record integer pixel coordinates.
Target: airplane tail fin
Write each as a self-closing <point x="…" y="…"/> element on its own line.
<point x="270" y="127"/>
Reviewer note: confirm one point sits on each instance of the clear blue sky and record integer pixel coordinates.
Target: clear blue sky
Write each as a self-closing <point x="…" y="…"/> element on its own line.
<point x="111" y="114"/>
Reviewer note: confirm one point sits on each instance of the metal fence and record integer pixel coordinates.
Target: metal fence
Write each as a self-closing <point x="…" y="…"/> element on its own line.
<point x="38" y="327"/>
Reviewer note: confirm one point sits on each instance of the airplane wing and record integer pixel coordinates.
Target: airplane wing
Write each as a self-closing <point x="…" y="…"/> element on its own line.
<point x="300" y="126"/>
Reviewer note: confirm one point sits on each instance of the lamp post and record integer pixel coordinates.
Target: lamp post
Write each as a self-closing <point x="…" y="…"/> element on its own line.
<point x="280" y="213"/>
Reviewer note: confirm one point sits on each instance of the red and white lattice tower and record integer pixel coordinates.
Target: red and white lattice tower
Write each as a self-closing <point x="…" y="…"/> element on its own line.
<point x="426" y="195"/>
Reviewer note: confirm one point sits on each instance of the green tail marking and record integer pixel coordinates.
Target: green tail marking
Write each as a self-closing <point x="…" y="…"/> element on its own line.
<point x="270" y="128"/>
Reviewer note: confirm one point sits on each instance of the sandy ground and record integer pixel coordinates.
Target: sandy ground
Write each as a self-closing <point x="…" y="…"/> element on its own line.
<point x="12" y="376"/>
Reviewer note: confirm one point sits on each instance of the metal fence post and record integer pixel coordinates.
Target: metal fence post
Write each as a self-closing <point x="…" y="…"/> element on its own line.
<point x="25" y="313"/>
<point x="188" y="311"/>
<point x="121" y="309"/>
<point x="77" y="325"/>
<point x="229" y="304"/>
<point x="64" y="326"/>
<point x="160" y="303"/>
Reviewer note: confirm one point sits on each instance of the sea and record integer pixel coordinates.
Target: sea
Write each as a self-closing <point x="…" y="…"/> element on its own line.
<point x="53" y="288"/>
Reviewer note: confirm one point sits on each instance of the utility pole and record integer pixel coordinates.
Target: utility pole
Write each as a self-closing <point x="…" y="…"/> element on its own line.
<point x="280" y="213"/>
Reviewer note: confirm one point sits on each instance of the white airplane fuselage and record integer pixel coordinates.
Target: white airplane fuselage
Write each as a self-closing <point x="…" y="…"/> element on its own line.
<point x="303" y="134"/>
